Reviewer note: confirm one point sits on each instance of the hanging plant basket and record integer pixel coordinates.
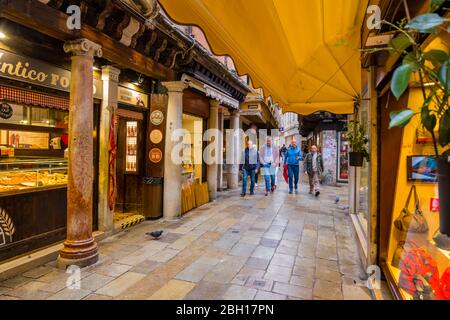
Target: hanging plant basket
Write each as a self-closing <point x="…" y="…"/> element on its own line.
<point x="356" y="159"/>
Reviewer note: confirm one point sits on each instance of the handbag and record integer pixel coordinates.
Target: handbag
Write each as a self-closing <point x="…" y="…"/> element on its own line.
<point x="412" y="222"/>
<point x="419" y="274"/>
<point x="402" y="249"/>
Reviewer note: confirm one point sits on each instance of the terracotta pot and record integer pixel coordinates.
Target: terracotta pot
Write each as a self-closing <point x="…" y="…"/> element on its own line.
<point x="356" y="159"/>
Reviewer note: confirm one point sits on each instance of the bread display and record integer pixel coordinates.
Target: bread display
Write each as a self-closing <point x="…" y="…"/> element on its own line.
<point x="11" y="180"/>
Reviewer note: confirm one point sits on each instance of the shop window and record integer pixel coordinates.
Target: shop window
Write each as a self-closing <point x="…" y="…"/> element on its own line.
<point x="192" y="149"/>
<point x="419" y="266"/>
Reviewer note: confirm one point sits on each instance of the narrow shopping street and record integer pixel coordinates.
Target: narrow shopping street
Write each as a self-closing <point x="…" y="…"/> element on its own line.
<point x="277" y="247"/>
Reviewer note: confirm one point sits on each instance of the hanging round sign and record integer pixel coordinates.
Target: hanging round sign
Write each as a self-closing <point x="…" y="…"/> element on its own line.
<point x="156" y="136"/>
<point x="6" y="111"/>
<point x="155" y="155"/>
<point x="156" y="117"/>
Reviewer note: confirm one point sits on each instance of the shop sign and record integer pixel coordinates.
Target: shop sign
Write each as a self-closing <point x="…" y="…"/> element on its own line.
<point x="16" y="67"/>
<point x="434" y="205"/>
<point x="132" y="97"/>
<point x="156" y="117"/>
<point x="7" y="228"/>
<point x="155" y="155"/>
<point x="156" y="136"/>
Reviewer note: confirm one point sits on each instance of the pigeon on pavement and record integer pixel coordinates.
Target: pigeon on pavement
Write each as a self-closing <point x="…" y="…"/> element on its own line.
<point x="155" y="234"/>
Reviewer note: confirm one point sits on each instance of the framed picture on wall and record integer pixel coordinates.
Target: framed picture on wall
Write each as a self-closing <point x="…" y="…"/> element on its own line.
<point x="422" y="168"/>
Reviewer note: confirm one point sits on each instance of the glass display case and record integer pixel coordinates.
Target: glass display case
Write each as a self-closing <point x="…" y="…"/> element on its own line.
<point x="131" y="144"/>
<point x="18" y="174"/>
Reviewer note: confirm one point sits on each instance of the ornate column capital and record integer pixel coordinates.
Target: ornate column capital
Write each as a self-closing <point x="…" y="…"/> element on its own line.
<point x="83" y="47"/>
<point x="110" y="73"/>
<point x="213" y="103"/>
<point x="175" y="86"/>
<point x="235" y="113"/>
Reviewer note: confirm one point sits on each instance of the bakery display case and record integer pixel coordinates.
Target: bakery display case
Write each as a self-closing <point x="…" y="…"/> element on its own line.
<point x="21" y="174"/>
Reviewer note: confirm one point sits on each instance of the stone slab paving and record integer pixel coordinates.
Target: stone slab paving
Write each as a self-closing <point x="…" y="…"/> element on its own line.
<point x="264" y="248"/>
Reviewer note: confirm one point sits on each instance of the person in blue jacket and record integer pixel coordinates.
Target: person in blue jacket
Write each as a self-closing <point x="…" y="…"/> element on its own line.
<point x="293" y="158"/>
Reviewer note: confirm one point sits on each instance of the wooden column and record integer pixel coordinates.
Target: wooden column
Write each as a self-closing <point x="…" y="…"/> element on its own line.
<point x="80" y="247"/>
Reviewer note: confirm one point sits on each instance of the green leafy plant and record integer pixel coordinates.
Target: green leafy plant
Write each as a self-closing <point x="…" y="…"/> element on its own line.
<point x="357" y="138"/>
<point x="433" y="70"/>
<point x="356" y="133"/>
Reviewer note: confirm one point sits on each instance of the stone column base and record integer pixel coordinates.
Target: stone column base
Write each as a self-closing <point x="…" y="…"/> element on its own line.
<point x="79" y="253"/>
<point x="63" y="263"/>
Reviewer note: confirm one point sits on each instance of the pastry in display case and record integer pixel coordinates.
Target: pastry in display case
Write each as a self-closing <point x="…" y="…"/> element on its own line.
<point x="21" y="174"/>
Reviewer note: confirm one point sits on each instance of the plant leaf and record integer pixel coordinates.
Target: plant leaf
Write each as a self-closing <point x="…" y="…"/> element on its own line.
<point x="400" y="43"/>
<point x="444" y="74"/>
<point x="393" y="114"/>
<point x="446" y="155"/>
<point x="400" y="79"/>
<point x="444" y="129"/>
<point x="425" y="22"/>
<point x="429" y="121"/>
<point x="436" y="56"/>
<point x="401" y="118"/>
<point x="435" y="4"/>
<point x="411" y="59"/>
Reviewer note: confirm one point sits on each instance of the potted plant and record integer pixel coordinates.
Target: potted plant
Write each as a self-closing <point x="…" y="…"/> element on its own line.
<point x="357" y="138"/>
<point x="432" y="69"/>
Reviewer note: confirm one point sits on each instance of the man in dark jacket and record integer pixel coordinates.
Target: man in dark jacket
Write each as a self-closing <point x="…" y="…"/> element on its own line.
<point x="313" y="166"/>
<point x="250" y="166"/>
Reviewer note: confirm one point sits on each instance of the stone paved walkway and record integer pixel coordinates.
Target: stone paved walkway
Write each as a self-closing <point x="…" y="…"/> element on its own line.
<point x="277" y="247"/>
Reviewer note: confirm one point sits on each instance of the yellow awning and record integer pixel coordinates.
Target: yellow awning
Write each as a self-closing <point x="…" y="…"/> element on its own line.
<point x="304" y="53"/>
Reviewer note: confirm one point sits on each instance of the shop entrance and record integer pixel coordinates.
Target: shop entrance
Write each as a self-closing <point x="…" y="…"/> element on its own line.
<point x="129" y="168"/>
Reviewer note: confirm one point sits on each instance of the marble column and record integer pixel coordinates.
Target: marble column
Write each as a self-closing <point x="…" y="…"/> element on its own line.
<point x="220" y="165"/>
<point x="80" y="247"/>
<point x="235" y="142"/>
<point x="172" y="170"/>
<point x="110" y="78"/>
<point x="213" y="158"/>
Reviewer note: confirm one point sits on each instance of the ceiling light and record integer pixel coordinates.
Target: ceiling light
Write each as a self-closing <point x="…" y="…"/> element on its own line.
<point x="2" y="35"/>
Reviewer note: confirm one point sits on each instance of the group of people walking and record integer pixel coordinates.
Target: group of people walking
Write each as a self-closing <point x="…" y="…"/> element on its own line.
<point x="268" y="159"/>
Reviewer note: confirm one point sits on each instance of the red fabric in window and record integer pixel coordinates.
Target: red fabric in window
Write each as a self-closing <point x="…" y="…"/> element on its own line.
<point x="33" y="98"/>
<point x="444" y="289"/>
<point x="418" y="262"/>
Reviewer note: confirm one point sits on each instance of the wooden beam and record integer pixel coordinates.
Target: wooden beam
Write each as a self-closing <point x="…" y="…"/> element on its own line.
<point x="40" y="17"/>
